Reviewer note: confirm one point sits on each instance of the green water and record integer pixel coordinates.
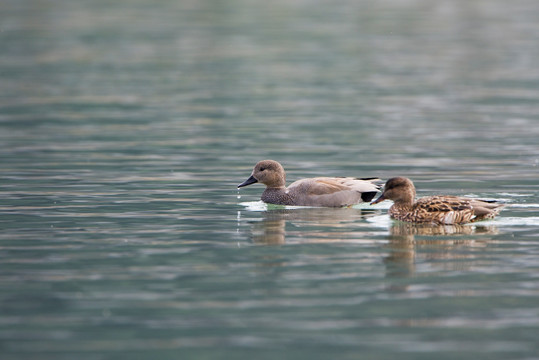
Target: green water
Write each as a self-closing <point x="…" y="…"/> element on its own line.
<point x="125" y="127"/>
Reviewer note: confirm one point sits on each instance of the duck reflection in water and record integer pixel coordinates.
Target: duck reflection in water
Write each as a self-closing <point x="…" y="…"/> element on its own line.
<point x="448" y="247"/>
<point x="407" y="241"/>
<point x="332" y="225"/>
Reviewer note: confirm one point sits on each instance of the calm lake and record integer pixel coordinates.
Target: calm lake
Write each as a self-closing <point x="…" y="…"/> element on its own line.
<point x="125" y="127"/>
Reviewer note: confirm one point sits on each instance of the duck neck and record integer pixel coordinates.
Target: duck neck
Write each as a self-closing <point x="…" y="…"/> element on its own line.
<point x="403" y="204"/>
<point x="406" y="201"/>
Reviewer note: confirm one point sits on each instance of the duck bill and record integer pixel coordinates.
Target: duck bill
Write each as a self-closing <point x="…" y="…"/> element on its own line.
<point x="380" y="199"/>
<point x="249" y="181"/>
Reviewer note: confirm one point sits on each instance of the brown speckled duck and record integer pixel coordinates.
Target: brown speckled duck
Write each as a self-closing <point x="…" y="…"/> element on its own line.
<point x="434" y="209"/>
<point x="320" y="191"/>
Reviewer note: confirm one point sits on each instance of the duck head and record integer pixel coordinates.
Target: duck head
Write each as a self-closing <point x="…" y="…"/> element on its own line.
<point x="267" y="172"/>
<point x="398" y="189"/>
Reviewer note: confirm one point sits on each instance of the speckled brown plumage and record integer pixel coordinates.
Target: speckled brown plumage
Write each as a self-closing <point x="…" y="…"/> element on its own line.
<point x="434" y="209"/>
<point x="320" y="191"/>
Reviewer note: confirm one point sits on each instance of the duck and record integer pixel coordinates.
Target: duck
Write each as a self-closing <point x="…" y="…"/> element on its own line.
<point x="315" y="192"/>
<point x="439" y="210"/>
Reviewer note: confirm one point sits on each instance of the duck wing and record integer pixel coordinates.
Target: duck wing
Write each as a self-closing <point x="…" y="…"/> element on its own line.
<point x="443" y="209"/>
<point x="333" y="191"/>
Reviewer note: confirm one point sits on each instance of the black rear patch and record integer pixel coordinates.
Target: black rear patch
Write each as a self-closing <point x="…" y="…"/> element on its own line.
<point x="368" y="196"/>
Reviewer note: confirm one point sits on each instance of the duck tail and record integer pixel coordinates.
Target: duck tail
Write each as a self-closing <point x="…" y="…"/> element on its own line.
<point x="486" y="209"/>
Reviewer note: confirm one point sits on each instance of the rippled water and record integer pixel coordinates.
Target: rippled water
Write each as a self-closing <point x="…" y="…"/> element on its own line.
<point x="125" y="127"/>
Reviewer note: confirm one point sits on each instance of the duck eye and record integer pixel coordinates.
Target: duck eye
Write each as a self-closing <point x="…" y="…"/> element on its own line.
<point x="262" y="169"/>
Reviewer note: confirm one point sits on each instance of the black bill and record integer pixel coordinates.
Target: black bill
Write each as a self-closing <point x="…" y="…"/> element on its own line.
<point x="249" y="181"/>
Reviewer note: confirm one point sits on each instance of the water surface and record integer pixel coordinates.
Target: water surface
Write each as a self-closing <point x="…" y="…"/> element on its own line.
<point x="125" y="128"/>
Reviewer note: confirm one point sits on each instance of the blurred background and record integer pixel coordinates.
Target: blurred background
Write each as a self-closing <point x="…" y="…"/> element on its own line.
<point x="126" y="126"/>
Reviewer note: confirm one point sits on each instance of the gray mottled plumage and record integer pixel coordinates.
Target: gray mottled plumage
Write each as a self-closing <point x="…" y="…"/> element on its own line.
<point x="319" y="191"/>
<point x="434" y="209"/>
